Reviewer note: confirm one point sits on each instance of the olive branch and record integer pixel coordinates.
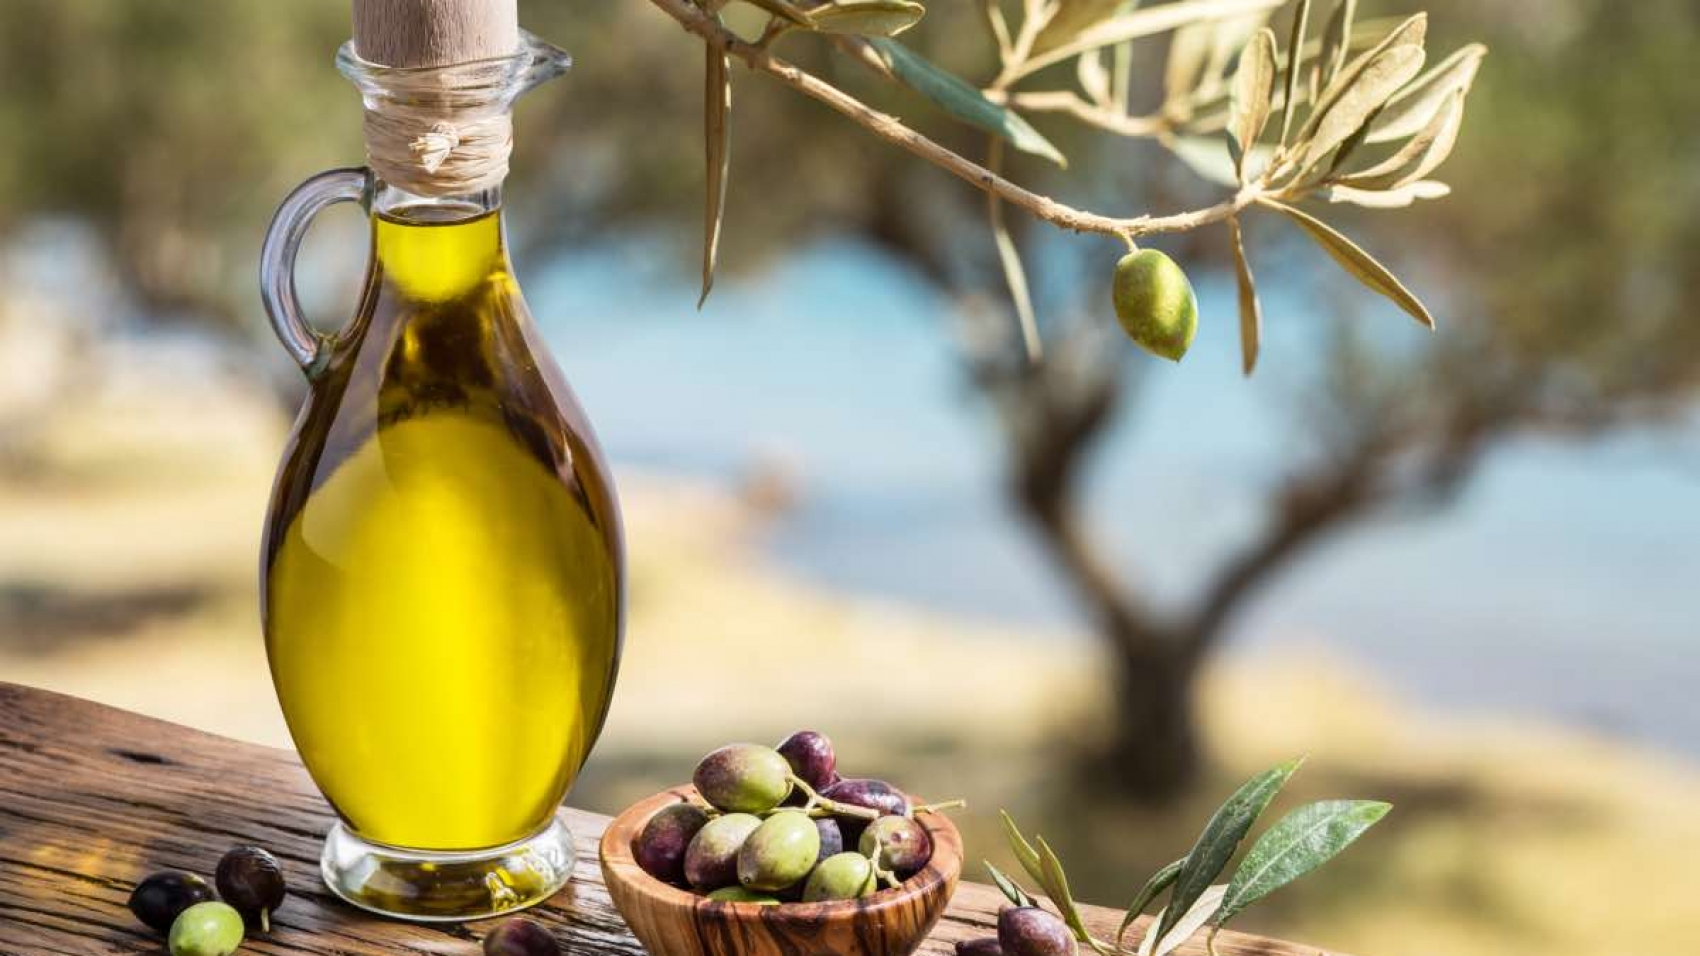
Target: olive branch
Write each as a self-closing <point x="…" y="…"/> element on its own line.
<point x="1345" y="116"/>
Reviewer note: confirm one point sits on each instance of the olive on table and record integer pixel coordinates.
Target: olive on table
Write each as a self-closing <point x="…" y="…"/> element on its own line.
<point x="520" y="937"/>
<point x="711" y="859"/>
<point x="780" y="852"/>
<point x="743" y="778"/>
<point x="811" y="758"/>
<point x="984" y="946"/>
<point x="160" y="897"/>
<point x="660" y="847"/>
<point x="206" y="929"/>
<point x="843" y="876"/>
<point x="1031" y="931"/>
<point x="251" y="881"/>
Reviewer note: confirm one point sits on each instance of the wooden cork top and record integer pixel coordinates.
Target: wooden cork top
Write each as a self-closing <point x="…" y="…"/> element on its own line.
<point x="408" y="33"/>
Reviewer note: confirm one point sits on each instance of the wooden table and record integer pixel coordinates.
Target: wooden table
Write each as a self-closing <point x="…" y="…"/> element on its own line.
<point x="93" y="798"/>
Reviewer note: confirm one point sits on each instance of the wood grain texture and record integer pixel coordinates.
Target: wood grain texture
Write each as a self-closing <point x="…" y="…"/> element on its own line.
<point x="673" y="922"/>
<point x="408" y="33"/>
<point x="92" y="799"/>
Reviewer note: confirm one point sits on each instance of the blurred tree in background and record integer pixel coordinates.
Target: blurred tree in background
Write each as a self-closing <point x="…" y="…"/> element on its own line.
<point x="1561" y="269"/>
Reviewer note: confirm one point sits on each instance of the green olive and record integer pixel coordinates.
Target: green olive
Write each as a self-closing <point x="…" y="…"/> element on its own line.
<point x="780" y="852"/>
<point x="743" y="778"/>
<point x="1155" y="303"/>
<point x="845" y="876"/>
<point x="738" y="894"/>
<point x="711" y="859"/>
<point x="206" y="929"/>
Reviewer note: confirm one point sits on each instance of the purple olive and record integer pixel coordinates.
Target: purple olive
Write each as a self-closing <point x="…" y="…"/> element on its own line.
<point x="1030" y="931"/>
<point x="158" y="899"/>
<point x="520" y="937"/>
<point x="711" y="860"/>
<point x="831" y="837"/>
<point x="251" y="881"/>
<point x="984" y="946"/>
<point x="903" y="844"/>
<point x="660" y="847"/>
<point x="811" y="758"/>
<point x="873" y="794"/>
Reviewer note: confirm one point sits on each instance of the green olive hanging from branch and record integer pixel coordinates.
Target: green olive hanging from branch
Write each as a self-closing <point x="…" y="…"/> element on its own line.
<point x="1155" y="303"/>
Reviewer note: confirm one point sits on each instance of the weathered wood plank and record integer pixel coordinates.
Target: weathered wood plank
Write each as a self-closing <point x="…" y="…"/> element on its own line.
<point x="93" y="798"/>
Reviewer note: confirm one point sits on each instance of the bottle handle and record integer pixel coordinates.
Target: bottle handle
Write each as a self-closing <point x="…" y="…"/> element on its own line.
<point x="283" y="241"/>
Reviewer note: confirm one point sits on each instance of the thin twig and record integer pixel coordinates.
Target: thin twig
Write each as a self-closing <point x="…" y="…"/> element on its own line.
<point x="1073" y="104"/>
<point x="892" y="130"/>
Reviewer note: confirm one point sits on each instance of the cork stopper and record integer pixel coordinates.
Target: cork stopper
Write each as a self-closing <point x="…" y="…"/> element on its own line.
<point x="423" y="33"/>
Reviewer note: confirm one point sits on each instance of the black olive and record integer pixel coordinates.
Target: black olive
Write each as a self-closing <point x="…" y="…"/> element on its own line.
<point x="251" y="881"/>
<point x="520" y="937"/>
<point x="158" y="899"/>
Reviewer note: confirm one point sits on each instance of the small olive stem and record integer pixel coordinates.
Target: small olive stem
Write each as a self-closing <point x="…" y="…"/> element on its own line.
<point x="958" y="804"/>
<point x="265" y="919"/>
<point x="831" y="806"/>
<point x="1073" y="104"/>
<point x="1210" y="941"/>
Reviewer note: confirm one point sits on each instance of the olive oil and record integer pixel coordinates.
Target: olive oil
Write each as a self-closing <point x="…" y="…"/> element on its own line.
<point x="442" y="567"/>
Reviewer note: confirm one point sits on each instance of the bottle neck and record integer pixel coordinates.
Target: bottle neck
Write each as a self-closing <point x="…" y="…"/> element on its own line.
<point x="398" y="203"/>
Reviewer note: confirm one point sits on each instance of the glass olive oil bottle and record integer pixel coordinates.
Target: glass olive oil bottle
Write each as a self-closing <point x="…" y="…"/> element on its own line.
<point x="442" y="570"/>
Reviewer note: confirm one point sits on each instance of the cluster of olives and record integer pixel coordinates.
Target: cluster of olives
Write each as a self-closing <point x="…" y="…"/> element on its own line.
<point x="777" y="826"/>
<point x="1024" y="931"/>
<point x="182" y="906"/>
<point x="1155" y="303"/>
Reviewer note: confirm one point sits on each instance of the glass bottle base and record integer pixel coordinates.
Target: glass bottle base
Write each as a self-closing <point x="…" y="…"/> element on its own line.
<point x="440" y="887"/>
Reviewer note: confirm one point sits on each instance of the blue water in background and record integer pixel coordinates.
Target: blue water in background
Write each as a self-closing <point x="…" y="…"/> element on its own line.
<point x="1563" y="583"/>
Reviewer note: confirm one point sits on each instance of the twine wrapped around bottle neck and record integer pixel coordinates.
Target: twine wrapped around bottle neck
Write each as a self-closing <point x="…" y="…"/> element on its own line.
<point x="447" y="130"/>
<point x="433" y="149"/>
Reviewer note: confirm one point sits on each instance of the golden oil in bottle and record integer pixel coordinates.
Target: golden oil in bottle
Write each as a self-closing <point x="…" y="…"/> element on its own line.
<point x="442" y="579"/>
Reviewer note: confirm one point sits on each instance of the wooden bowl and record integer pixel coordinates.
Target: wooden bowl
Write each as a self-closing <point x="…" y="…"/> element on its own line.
<point x="670" y="921"/>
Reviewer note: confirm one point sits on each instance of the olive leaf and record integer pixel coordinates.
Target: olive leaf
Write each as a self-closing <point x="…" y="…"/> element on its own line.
<point x="1227" y="40"/>
<point x="1009" y="887"/>
<point x="1220" y="837"/>
<point x="1212" y="112"/>
<point x="1194" y="919"/>
<point x="1024" y="852"/>
<point x="1251" y="311"/>
<point x="962" y="100"/>
<point x="1411" y="108"/>
<point x="1205" y="156"/>
<point x="1015" y="275"/>
<point x="1356" y="261"/>
<point x="1145" y="22"/>
<point x="1421" y="155"/>
<point x="1056" y="887"/>
<point x="1094" y="77"/>
<point x="1189" y="49"/>
<point x="1390" y="198"/>
<point x="1072" y="16"/>
<point x="717" y="108"/>
<point x="1254" y="84"/>
<point x="867" y="17"/>
<point x="1302" y="841"/>
<point x="1295" y="58"/>
<point x="1360" y="89"/>
<point x="1334" y="39"/>
<point x="784" y="10"/>
<point x="1160" y="881"/>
